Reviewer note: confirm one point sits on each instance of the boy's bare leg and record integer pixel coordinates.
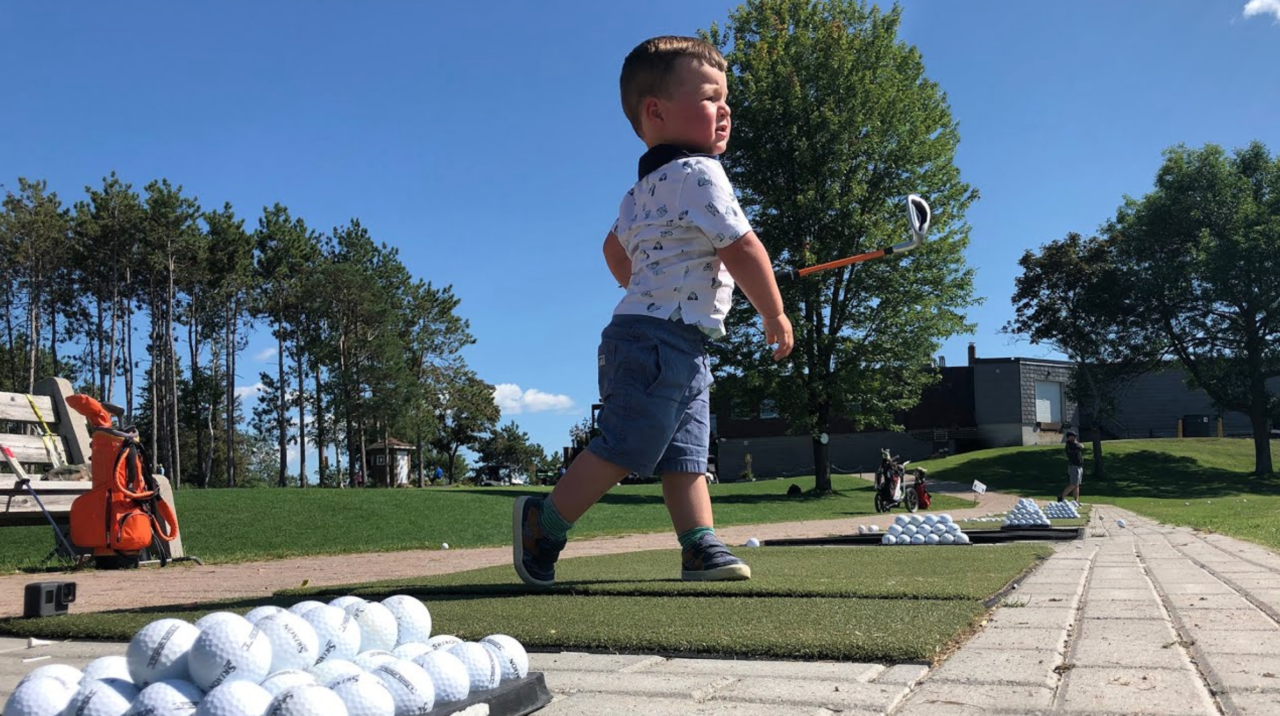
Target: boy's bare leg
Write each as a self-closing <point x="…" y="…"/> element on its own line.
<point x="688" y="500"/>
<point x="584" y="483"/>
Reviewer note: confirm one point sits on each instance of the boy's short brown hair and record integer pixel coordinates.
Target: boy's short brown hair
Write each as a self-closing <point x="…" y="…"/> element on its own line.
<point x="648" y="69"/>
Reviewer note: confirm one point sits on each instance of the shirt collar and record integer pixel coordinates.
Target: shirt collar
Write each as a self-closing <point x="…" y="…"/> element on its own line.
<point x="660" y="154"/>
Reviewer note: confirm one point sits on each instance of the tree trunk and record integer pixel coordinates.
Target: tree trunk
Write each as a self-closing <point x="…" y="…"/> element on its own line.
<point x="33" y="340"/>
<point x="99" y="353"/>
<point x="198" y="397"/>
<point x="53" y="340"/>
<point x="232" y="323"/>
<point x="280" y="407"/>
<point x="319" y="420"/>
<point x="821" y="453"/>
<point x="128" y="367"/>
<point x="110" y="382"/>
<point x="422" y="481"/>
<point x="345" y="378"/>
<point x="302" y="414"/>
<point x="1258" y="420"/>
<point x="364" y="464"/>
<point x="156" y="412"/>
<point x="171" y="344"/>
<point x="13" y="349"/>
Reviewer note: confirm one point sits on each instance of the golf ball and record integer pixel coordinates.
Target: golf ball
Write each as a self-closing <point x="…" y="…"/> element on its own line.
<point x="238" y="698"/>
<point x="444" y="545"/>
<point x="917" y="539"/>
<point x="940" y="528"/>
<point x="230" y="651"/>
<point x="346" y="601"/>
<point x="282" y="681"/>
<point x="413" y="619"/>
<point x="301" y="608"/>
<point x="378" y="626"/>
<point x="962" y="538"/>
<point x="364" y="695"/>
<point x="70" y="676"/>
<point x="947" y="538"/>
<point x="337" y="633"/>
<point x="167" y="697"/>
<point x="442" y="641"/>
<point x="104" y="697"/>
<point x="294" y="644"/>
<point x="931" y="520"/>
<point x="901" y="520"/>
<point x="330" y="669"/>
<point x="931" y="539"/>
<point x="862" y="529"/>
<point x="945" y="518"/>
<point x="894" y="530"/>
<point x="512" y="657"/>
<point x="909" y="530"/>
<point x="309" y="700"/>
<point x="753" y="542"/>
<point x="255" y="614"/>
<point x="1120" y="524"/>
<point x="448" y="675"/>
<point x="108" y="667"/>
<point x="875" y="528"/>
<point x="482" y="666"/>
<point x="888" y="539"/>
<point x="917" y="520"/>
<point x="159" y="651"/>
<point x="410" y="686"/>
<point x="41" y="696"/>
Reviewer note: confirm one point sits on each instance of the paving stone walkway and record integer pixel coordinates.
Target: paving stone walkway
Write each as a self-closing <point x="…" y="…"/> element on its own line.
<point x="1146" y="619"/>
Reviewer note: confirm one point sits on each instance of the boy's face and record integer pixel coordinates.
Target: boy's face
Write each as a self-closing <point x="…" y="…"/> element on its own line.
<point x="695" y="113"/>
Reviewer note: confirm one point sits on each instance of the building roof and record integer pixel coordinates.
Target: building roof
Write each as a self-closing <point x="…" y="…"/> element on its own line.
<point x="390" y="443"/>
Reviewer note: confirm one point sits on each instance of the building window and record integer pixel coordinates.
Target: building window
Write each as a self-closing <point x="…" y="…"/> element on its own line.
<point x="379" y="459"/>
<point x="741" y="410"/>
<point x="768" y="408"/>
<point x="1048" y="401"/>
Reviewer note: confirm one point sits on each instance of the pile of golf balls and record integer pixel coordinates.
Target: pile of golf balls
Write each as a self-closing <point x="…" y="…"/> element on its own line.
<point x="350" y="657"/>
<point x="1062" y="510"/>
<point x="1026" y="514"/>
<point x="924" y="530"/>
<point x="865" y="530"/>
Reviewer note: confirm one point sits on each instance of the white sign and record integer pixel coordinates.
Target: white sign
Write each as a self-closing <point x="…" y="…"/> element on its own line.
<point x="979" y="488"/>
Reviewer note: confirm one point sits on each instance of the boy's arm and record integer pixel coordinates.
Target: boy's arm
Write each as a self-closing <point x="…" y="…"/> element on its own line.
<point x="616" y="257"/>
<point x="748" y="262"/>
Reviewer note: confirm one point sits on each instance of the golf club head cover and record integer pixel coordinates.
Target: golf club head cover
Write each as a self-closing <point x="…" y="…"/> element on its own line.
<point x="91" y="409"/>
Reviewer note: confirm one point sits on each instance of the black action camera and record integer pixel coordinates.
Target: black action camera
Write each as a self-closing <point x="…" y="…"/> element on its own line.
<point x="47" y="599"/>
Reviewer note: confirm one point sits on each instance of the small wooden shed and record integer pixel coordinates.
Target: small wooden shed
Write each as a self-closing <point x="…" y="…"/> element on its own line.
<point x="388" y="462"/>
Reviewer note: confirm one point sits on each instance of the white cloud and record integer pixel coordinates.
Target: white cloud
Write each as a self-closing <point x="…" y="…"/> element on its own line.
<point x="514" y="401"/>
<point x="244" y="391"/>
<point x="265" y="354"/>
<point x="1262" y="7"/>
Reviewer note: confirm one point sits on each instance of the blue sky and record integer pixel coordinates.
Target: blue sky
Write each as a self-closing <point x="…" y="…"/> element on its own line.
<point x="485" y="140"/>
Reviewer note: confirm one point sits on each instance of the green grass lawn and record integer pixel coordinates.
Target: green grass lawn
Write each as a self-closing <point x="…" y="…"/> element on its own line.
<point x="1205" y="483"/>
<point x="254" y="524"/>
<point x="847" y="603"/>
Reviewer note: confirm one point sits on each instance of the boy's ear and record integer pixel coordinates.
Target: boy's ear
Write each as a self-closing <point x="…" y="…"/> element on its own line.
<point x="651" y="110"/>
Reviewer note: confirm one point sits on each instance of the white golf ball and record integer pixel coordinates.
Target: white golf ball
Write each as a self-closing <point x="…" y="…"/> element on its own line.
<point x="238" y="698"/>
<point x="946" y="538"/>
<point x="370" y="660"/>
<point x="894" y="530"/>
<point x="411" y="650"/>
<point x="108" y="667"/>
<point x="909" y="531"/>
<point x="888" y="539"/>
<point x="917" y="539"/>
<point x="953" y="528"/>
<point x="255" y="614"/>
<point x="931" y="520"/>
<point x="41" y="696"/>
<point x="442" y="641"/>
<point x="901" y="520"/>
<point x="103" y="697"/>
<point x="916" y="520"/>
<point x="448" y="675"/>
<point x="875" y="529"/>
<point x="1120" y="524"/>
<point x="282" y="681"/>
<point x="364" y="695"/>
<point x="862" y="529"/>
<point x="230" y="651"/>
<point x="482" y="666"/>
<point x="378" y="626"/>
<point x="212" y="618"/>
<point x="167" y="697"/>
<point x="159" y="651"/>
<point x="962" y="538"/>
<point x="69" y="675"/>
<point x="512" y="657"/>
<point x="410" y="686"/>
<point x="413" y="619"/>
<point x="301" y="608"/>
<point x="346" y="601"/>
<point x="945" y="518"/>
<point x="337" y="633"/>
<point x="931" y="539"/>
<point x="309" y="700"/>
<point x="940" y="528"/>
<point x="330" y="669"/>
<point x="444" y="545"/>
<point x="753" y="542"/>
<point x="294" y="644"/>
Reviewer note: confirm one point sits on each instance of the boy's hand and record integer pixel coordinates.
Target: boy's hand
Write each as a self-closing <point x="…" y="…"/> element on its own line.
<point x="777" y="331"/>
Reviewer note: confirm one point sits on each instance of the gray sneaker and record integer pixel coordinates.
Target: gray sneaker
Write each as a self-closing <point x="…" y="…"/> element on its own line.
<point x="533" y="553"/>
<point x="708" y="560"/>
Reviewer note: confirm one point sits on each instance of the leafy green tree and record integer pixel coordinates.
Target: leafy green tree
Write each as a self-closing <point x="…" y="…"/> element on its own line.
<point x="835" y="122"/>
<point x="1073" y="298"/>
<point x="508" y="448"/>
<point x="1203" y="253"/>
<point x="465" y="411"/>
<point x="230" y="265"/>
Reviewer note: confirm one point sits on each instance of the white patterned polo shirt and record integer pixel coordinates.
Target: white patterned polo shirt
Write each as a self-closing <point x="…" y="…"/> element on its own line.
<point x="671" y="223"/>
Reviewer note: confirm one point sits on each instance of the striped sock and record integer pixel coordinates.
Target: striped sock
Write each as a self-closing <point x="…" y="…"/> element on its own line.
<point x="688" y="537"/>
<point x="553" y="525"/>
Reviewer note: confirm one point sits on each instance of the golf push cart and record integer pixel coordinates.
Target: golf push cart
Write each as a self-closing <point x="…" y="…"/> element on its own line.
<point x="892" y="488"/>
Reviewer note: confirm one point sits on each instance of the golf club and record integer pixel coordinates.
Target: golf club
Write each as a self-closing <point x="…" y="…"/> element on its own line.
<point x="917" y="212"/>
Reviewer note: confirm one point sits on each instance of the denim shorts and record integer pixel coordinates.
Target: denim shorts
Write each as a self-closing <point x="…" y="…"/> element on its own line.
<point x="655" y="384"/>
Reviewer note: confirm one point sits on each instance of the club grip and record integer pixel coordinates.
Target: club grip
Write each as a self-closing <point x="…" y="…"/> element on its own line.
<point x="783" y="276"/>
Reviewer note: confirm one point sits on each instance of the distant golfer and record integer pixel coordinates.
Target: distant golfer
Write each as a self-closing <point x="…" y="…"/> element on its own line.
<point x="680" y="243"/>
<point x="1075" y="467"/>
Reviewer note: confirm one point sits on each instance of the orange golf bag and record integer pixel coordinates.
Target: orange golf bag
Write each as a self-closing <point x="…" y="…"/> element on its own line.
<point x="123" y="514"/>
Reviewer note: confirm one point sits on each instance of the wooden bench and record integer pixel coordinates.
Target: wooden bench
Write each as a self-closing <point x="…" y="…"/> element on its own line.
<point x="69" y="439"/>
